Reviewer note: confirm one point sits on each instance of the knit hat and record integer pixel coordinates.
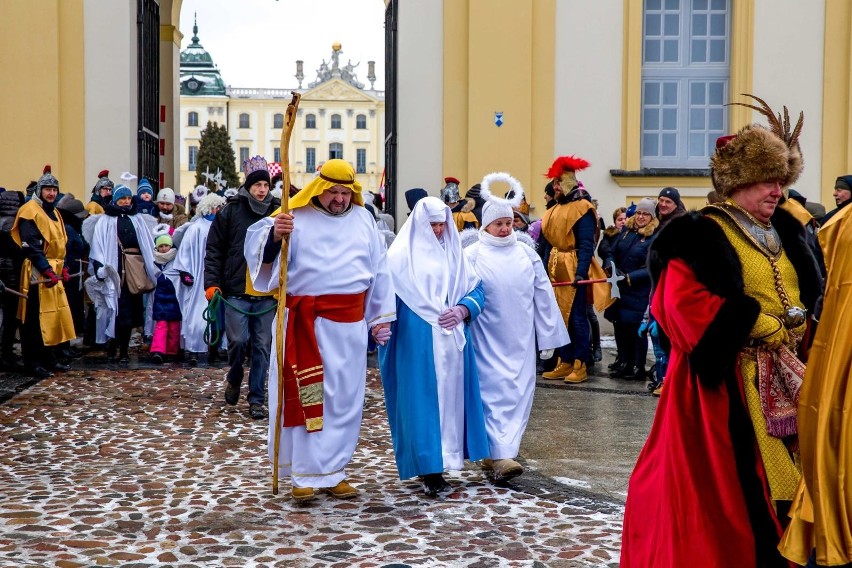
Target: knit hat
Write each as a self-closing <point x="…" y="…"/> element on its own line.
<point x="163" y="240"/>
<point x="496" y="207"/>
<point x="120" y="191"/>
<point x="144" y="187"/>
<point x="671" y="193"/>
<point x="255" y="170"/>
<point x="844" y="182"/>
<point x="166" y="195"/>
<point x="474" y="191"/>
<point x="647" y="205"/>
<point x="69" y="204"/>
<point x="412" y="196"/>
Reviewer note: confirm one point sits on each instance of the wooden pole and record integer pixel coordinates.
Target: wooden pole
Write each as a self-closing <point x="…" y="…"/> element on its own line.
<point x="289" y="121"/>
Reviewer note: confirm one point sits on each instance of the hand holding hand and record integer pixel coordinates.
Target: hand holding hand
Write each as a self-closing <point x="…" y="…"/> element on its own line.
<point x="381" y="333"/>
<point x="545" y="354"/>
<point x="453" y="317"/>
<point x="283" y="225"/>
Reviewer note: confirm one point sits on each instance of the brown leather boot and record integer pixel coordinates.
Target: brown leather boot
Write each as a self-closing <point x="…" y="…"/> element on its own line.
<point x="303" y="494"/>
<point x="561" y="371"/>
<point x="342" y="490"/>
<point x="578" y="373"/>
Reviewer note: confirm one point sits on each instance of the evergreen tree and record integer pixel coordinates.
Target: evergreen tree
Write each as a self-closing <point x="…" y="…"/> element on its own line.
<point x="216" y="153"/>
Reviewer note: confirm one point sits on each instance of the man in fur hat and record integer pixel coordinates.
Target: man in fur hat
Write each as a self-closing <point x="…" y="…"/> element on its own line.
<point x="735" y="285"/>
<point x="571" y="227"/>
<point x="45" y="316"/>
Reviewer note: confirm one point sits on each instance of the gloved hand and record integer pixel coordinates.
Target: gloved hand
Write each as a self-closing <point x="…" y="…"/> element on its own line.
<point x="186" y="279"/>
<point x="381" y="333"/>
<point x="100" y="273"/>
<point x="453" y="316"/>
<point x="546" y="353"/>
<point x="579" y="277"/>
<point x="52" y="277"/>
<point x="654" y="329"/>
<point x="208" y="293"/>
<point x="643" y="328"/>
<point x="66" y="276"/>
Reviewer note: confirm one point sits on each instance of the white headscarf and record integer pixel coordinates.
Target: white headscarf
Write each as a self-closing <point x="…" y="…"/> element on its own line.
<point x="430" y="276"/>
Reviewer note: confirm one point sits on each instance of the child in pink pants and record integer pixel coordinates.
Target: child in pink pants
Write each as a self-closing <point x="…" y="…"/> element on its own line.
<point x="166" y="312"/>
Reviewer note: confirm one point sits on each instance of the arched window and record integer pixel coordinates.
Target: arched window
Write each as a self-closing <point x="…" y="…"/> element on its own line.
<point x="192" y="119"/>
<point x="335" y="150"/>
<point x="244" y="120"/>
<point x="335" y="121"/>
<point x="278" y="120"/>
<point x="310" y="121"/>
<point x="361" y="122"/>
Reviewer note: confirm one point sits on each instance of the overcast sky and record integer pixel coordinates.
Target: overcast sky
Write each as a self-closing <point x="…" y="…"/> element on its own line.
<point x="255" y="43"/>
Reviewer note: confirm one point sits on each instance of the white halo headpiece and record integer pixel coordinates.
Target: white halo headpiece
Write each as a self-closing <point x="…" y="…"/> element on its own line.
<point x="514" y="186"/>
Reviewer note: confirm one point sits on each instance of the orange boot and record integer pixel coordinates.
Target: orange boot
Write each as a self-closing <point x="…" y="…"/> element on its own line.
<point x="578" y="373"/>
<point x="561" y="371"/>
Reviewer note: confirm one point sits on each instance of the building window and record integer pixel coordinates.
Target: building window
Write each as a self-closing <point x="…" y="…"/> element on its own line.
<point x="685" y="80"/>
<point x="244" y="155"/>
<point x="335" y="150"/>
<point x="193" y="158"/>
<point x="244" y="120"/>
<point x="361" y="161"/>
<point x="278" y="121"/>
<point x="361" y="122"/>
<point x="335" y="121"/>
<point x="310" y="159"/>
<point x="192" y="119"/>
<point x="276" y="154"/>
<point x="310" y="121"/>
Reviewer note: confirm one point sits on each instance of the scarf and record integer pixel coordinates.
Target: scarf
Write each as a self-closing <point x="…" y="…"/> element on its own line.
<point x="488" y="239"/>
<point x="163" y="258"/>
<point x="779" y="380"/>
<point x="259" y="207"/>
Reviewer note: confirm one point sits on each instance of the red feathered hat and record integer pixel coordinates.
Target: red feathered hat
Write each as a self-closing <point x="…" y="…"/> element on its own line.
<point x="566" y="164"/>
<point x="46" y="169"/>
<point x="103" y="173"/>
<point x="450" y="179"/>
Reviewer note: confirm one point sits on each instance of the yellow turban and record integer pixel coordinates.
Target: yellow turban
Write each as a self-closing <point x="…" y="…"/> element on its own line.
<point x="333" y="172"/>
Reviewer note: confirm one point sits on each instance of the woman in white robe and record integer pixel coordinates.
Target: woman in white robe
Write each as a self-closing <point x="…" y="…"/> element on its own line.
<point x="120" y="225"/>
<point x="521" y="309"/>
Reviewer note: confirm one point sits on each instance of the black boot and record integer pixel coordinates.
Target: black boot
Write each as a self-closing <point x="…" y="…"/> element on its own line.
<point x="615" y="364"/>
<point x="618" y="370"/>
<point x="434" y="483"/>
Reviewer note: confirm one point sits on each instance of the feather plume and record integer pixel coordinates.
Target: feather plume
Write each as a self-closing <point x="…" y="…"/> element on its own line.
<point x="779" y="123"/>
<point x="566" y="163"/>
<point x="46" y="169"/>
<point x="103" y="173"/>
<point x="514" y="186"/>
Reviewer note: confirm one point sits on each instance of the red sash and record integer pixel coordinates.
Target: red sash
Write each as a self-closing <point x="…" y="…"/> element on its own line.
<point x="303" y="372"/>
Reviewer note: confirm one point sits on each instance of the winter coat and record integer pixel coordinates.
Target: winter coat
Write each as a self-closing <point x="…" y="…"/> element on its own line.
<point x="630" y="254"/>
<point x="148" y="207"/>
<point x="166" y="307"/>
<point x="225" y="262"/>
<point x="11" y="256"/>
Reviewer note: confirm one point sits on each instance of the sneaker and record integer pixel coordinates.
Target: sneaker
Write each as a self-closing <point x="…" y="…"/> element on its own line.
<point x="257" y="412"/>
<point x="342" y="490"/>
<point x="232" y="393"/>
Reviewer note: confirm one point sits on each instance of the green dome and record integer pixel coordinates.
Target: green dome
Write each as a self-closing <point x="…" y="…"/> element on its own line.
<point x="199" y="76"/>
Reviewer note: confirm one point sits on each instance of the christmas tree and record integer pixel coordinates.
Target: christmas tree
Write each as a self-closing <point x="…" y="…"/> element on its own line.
<point x="216" y="153"/>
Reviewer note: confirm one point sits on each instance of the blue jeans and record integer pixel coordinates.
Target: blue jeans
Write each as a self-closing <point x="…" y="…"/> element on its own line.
<point x="578" y="330"/>
<point x="661" y="355"/>
<point x="241" y="329"/>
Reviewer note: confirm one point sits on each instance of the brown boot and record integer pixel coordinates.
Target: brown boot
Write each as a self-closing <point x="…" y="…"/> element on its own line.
<point x="561" y="371"/>
<point x="578" y="373"/>
<point x="302" y="494"/>
<point x="506" y="469"/>
<point x="342" y="490"/>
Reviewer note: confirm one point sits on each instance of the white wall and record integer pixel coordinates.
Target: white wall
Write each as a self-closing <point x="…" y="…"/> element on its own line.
<point x="589" y="37"/>
<point x="420" y="97"/>
<point x="111" y="90"/>
<point x="788" y="70"/>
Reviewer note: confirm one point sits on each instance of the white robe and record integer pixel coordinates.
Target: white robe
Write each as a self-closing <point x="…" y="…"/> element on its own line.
<point x="327" y="255"/>
<point x="192" y="301"/>
<point x="521" y="306"/>
<point x="104" y="249"/>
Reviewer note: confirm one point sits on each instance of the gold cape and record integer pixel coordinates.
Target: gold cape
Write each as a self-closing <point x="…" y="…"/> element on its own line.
<point x="57" y="325"/>
<point x="822" y="510"/>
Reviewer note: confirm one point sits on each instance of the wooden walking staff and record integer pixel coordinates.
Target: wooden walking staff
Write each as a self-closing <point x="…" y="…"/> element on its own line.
<point x="289" y="121"/>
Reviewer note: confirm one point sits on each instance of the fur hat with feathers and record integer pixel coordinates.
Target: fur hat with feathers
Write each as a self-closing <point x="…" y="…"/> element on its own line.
<point x="754" y="155"/>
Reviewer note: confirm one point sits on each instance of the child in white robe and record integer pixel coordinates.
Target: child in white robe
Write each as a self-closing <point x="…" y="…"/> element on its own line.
<point x="521" y="308"/>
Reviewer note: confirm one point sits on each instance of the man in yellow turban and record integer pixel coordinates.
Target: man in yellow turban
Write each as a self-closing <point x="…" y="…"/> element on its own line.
<point x="338" y="287"/>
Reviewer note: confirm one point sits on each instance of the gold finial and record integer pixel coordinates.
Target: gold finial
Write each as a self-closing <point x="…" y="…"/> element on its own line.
<point x="336" y="46"/>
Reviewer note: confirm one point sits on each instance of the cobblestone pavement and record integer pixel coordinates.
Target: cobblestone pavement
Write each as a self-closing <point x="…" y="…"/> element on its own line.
<point x="149" y="467"/>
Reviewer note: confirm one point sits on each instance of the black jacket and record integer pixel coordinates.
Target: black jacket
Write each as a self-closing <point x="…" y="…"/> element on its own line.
<point x="11" y="255"/>
<point x="225" y="262"/>
<point x="629" y="251"/>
